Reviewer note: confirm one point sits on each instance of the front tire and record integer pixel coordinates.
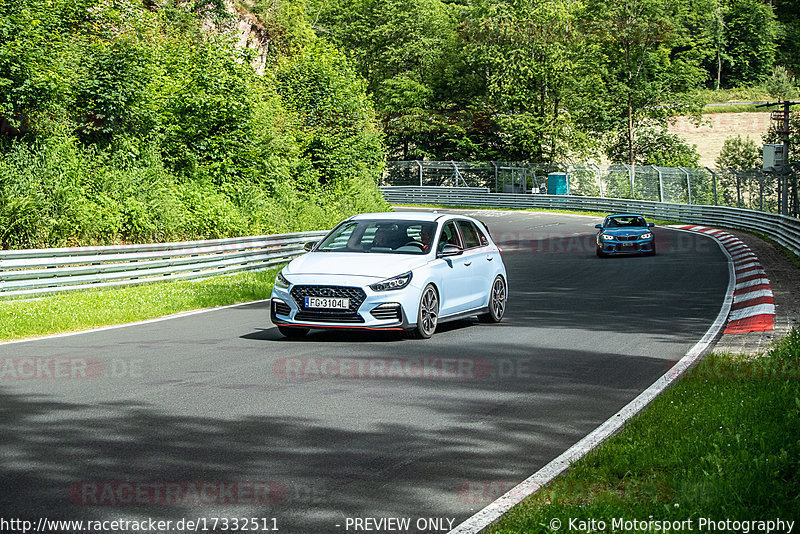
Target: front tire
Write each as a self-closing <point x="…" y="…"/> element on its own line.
<point x="497" y="302"/>
<point x="293" y="332"/>
<point x="428" y="314"/>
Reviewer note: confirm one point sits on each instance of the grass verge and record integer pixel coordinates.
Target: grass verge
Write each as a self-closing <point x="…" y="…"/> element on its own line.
<point x="732" y="108"/>
<point x="734" y="95"/>
<point x="790" y="256"/>
<point x="722" y="443"/>
<point x="81" y="310"/>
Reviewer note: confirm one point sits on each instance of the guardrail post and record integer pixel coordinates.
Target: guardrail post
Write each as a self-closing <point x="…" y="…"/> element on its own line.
<point x="688" y="184"/>
<point x="738" y="188"/>
<point x="420" y="172"/>
<point x="713" y="185"/>
<point x="496" y="184"/>
<point x="660" y="183"/>
<point x="630" y="176"/>
<point x="599" y="177"/>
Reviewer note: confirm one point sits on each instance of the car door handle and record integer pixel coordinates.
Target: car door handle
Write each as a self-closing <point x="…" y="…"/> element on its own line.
<point x="490" y="258"/>
<point x="467" y="263"/>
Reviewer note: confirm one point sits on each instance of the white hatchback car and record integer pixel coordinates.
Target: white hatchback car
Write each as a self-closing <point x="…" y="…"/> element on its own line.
<point x="393" y="271"/>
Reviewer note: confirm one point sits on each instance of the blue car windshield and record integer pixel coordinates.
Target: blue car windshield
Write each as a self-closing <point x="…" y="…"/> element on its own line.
<point x="630" y="221"/>
<point x="386" y="237"/>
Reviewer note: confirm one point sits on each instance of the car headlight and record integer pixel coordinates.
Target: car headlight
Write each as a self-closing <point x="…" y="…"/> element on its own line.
<point x="607" y="237"/>
<point x="390" y="284"/>
<point x="648" y="235"/>
<point x="280" y="281"/>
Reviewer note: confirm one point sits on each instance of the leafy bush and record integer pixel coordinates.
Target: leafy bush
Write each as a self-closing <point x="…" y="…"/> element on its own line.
<point x="739" y="153"/>
<point x="656" y="146"/>
<point x="145" y="122"/>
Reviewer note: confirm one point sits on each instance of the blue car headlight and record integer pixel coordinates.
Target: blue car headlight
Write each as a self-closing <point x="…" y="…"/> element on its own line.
<point x="648" y="235"/>
<point x="281" y="281"/>
<point x="390" y="284"/>
<point x="607" y="237"/>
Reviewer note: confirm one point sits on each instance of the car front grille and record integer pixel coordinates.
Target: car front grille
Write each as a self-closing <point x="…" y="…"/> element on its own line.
<point x="627" y="238"/>
<point x="328" y="317"/>
<point x="350" y="315"/>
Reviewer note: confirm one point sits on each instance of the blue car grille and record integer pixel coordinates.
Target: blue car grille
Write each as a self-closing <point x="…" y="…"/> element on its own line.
<point x="350" y="315"/>
<point x="627" y="238"/>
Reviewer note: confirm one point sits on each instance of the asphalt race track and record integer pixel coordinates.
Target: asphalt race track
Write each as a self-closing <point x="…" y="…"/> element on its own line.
<point x="216" y="415"/>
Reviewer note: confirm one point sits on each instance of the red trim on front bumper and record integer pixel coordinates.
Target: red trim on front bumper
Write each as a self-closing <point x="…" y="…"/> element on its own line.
<point x="304" y="325"/>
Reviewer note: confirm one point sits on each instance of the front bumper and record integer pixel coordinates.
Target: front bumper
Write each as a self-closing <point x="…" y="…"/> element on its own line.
<point x="614" y="246"/>
<point x="387" y="310"/>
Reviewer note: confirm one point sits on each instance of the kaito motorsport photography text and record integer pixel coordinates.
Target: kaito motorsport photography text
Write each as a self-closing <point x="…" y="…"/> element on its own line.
<point x="701" y="524"/>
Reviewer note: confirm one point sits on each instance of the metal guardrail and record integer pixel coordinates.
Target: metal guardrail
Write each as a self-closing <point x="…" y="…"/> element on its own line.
<point x="780" y="228"/>
<point x="36" y="271"/>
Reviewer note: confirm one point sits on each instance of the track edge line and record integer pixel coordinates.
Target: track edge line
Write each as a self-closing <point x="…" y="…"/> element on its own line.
<point x="558" y="465"/>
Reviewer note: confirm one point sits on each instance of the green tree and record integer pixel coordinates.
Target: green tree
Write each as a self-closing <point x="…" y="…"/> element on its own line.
<point x="788" y="35"/>
<point x="716" y="33"/>
<point x="535" y="58"/>
<point x="134" y="120"/>
<point x="739" y="153"/>
<point x="738" y="159"/>
<point x="338" y="135"/>
<point x="780" y="85"/>
<point x="402" y="48"/>
<point x="644" y="81"/>
<point x="751" y="33"/>
<point x="656" y="146"/>
<point x="34" y="70"/>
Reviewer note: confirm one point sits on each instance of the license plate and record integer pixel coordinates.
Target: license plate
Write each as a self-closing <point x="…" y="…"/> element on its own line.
<point x="627" y="244"/>
<point x="331" y="303"/>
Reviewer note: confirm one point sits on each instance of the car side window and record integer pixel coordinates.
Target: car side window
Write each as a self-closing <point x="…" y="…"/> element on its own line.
<point x="483" y="232"/>
<point x="470" y="233"/>
<point x="449" y="236"/>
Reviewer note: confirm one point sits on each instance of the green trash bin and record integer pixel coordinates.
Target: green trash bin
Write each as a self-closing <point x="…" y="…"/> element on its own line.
<point x="558" y="183"/>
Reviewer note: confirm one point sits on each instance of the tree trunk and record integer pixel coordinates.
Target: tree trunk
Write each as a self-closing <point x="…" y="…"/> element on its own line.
<point x="631" y="152"/>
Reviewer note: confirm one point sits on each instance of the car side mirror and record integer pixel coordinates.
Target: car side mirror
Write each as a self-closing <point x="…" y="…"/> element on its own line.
<point x="598" y="226"/>
<point x="450" y="250"/>
<point x="650" y="225"/>
<point x="308" y="246"/>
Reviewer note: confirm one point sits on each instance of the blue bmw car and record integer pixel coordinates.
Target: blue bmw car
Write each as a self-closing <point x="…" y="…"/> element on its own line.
<point x="625" y="234"/>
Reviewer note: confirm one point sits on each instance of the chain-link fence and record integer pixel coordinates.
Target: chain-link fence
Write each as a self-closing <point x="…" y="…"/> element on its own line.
<point x="752" y="189"/>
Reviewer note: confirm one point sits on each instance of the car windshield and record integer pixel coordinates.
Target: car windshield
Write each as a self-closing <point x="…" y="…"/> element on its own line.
<point x="386" y="237"/>
<point x="628" y="221"/>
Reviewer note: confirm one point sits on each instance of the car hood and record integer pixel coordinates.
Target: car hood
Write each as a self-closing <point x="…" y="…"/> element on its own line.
<point x="371" y="265"/>
<point x="625" y="231"/>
